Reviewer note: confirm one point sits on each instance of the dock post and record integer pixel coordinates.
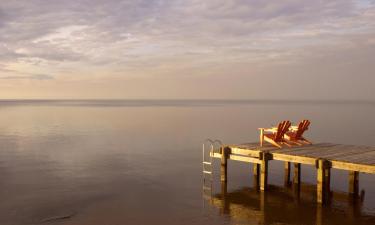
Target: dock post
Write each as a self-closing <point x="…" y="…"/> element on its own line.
<point x="264" y="156"/>
<point x="224" y="188"/>
<point x="353" y="183"/>
<point x="287" y="174"/>
<point x="256" y="168"/>
<point x="322" y="181"/>
<point x="327" y="177"/>
<point x="224" y="164"/>
<point x="297" y="174"/>
<point x="225" y="209"/>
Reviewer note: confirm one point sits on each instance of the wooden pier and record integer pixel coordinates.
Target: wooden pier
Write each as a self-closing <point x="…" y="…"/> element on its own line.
<point x="324" y="156"/>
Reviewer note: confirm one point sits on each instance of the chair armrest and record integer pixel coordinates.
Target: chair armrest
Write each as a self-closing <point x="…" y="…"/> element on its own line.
<point x="272" y="130"/>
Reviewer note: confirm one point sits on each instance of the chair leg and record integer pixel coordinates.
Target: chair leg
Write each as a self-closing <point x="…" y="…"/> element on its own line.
<point x="294" y="142"/>
<point x="297" y="143"/>
<point x="306" y="141"/>
<point x="287" y="144"/>
<point x="272" y="142"/>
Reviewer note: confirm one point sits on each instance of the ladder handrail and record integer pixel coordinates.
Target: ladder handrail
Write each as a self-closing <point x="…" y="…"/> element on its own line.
<point x="207" y="166"/>
<point x="212" y="149"/>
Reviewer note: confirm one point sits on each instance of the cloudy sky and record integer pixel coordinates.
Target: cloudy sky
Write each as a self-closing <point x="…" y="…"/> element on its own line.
<point x="248" y="49"/>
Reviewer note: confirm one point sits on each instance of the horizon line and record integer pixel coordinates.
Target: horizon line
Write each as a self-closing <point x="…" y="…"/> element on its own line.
<point x="190" y="99"/>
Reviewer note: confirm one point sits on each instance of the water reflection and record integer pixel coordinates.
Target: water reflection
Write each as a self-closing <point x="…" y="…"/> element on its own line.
<point x="294" y="204"/>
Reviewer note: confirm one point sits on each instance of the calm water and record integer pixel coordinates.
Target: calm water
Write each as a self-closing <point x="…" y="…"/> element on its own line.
<point x="139" y="162"/>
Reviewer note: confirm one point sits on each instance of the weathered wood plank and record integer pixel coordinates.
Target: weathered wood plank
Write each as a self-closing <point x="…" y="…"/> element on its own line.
<point x="353" y="166"/>
<point x="247" y="152"/>
<point x="238" y="158"/>
<point x="356" y="156"/>
<point x="333" y="154"/>
<point x="244" y="159"/>
<point x="294" y="159"/>
<point x="307" y="149"/>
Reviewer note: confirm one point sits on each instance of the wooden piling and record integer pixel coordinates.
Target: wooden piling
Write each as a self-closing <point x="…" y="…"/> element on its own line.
<point x="297" y="174"/>
<point x="224" y="188"/>
<point x="327" y="177"/>
<point x="264" y="157"/>
<point x="225" y="203"/>
<point x="320" y="181"/>
<point x="224" y="164"/>
<point x="323" y="183"/>
<point x="287" y="173"/>
<point x="256" y="171"/>
<point x="353" y="183"/>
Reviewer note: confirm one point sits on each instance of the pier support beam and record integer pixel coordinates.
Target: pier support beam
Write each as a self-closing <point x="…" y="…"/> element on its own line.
<point x="225" y="209"/>
<point x="353" y="183"/>
<point x="297" y="174"/>
<point x="327" y="179"/>
<point x="256" y="169"/>
<point x="224" y="164"/>
<point x="322" y="180"/>
<point x="287" y="174"/>
<point x="256" y="172"/>
<point x="265" y="157"/>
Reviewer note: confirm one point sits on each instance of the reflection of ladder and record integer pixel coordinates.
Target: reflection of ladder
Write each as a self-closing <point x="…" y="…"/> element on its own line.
<point x="207" y="167"/>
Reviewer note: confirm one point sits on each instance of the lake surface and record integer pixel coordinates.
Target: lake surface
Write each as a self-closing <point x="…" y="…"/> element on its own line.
<point x="139" y="162"/>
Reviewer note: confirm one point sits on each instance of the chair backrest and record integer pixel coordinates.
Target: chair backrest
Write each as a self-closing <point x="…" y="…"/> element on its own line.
<point x="302" y="127"/>
<point x="282" y="128"/>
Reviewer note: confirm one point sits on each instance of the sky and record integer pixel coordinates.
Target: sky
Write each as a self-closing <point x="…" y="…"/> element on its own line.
<point x="195" y="49"/>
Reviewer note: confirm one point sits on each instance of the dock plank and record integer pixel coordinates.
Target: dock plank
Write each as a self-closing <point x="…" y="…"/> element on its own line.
<point x="341" y="156"/>
<point x="335" y="153"/>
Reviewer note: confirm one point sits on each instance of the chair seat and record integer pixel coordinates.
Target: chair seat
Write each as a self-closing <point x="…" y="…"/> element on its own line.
<point x="293" y="135"/>
<point x="272" y="136"/>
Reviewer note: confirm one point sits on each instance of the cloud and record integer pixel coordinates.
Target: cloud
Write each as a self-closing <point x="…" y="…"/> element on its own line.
<point x="118" y="31"/>
<point x="111" y="39"/>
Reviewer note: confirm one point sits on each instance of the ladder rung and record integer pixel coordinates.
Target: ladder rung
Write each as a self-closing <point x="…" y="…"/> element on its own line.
<point x="208" y="172"/>
<point x="207" y="163"/>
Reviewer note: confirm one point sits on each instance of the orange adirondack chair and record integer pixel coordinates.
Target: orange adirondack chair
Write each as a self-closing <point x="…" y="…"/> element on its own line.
<point x="275" y="136"/>
<point x="296" y="135"/>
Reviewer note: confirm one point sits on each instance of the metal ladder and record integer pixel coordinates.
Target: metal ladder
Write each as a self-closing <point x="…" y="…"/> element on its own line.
<point x="207" y="167"/>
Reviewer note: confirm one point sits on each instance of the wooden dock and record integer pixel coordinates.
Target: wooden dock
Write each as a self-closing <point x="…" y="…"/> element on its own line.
<point x="324" y="156"/>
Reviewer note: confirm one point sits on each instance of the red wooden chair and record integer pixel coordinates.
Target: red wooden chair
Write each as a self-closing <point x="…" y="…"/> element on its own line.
<point x="275" y="135"/>
<point x="295" y="136"/>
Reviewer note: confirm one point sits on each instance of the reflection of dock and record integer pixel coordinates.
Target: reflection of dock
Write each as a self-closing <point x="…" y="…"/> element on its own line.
<point x="286" y="205"/>
<point x="355" y="159"/>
